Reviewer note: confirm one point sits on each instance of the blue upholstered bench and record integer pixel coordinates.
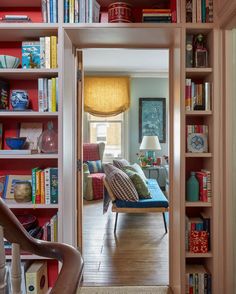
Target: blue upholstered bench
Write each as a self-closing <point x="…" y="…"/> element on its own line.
<point x="158" y="202"/>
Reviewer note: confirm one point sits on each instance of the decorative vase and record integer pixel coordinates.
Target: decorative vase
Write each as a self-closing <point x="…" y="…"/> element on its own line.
<point x="19" y="99"/>
<point x="192" y="188"/>
<point x="23" y="191"/>
<point x="48" y="140"/>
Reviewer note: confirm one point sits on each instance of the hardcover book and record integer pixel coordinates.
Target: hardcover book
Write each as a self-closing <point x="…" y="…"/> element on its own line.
<point x="31" y="54"/>
<point x="4" y="94"/>
<point x="2" y="184"/>
<point x="37" y="278"/>
<point x="1" y="135"/>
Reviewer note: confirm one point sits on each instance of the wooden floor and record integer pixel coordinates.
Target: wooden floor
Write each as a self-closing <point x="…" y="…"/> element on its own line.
<point x="136" y="255"/>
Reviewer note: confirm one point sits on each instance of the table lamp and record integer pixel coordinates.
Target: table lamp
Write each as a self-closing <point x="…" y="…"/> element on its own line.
<point x="150" y="144"/>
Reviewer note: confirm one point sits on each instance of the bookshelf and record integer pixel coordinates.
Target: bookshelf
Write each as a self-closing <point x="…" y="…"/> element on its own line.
<point x="119" y="35"/>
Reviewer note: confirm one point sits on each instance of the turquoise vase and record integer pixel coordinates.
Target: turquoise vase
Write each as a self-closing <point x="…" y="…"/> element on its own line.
<point x="192" y="188"/>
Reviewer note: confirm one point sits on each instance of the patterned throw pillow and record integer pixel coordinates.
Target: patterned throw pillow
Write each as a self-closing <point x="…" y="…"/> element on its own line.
<point x="136" y="168"/>
<point x="95" y="166"/>
<point x="120" y="184"/>
<point x="119" y="163"/>
<point x="139" y="184"/>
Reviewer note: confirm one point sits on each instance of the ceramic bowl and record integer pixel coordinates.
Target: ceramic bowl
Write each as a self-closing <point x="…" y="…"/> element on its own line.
<point x="15" y="142"/>
<point x="7" y="61"/>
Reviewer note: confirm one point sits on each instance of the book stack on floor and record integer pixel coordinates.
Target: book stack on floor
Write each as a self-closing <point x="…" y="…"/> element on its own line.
<point x="84" y="11"/>
<point x="198" y="279"/>
<point x="45" y="186"/>
<point x="197" y="96"/>
<point x="40" y="54"/>
<point x="197" y="234"/>
<point x="50" y="11"/>
<point x="47" y="95"/>
<point x="199" y="11"/>
<point x="157" y="15"/>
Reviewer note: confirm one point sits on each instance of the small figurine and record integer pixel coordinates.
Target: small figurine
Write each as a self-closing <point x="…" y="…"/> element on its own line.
<point x="201" y="52"/>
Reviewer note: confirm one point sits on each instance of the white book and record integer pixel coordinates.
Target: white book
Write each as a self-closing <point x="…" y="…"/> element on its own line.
<point x="40" y="95"/>
<point x="82" y="11"/>
<point x="42" y="52"/>
<point x="49" y="95"/>
<point x="16" y="152"/>
<point x="44" y="10"/>
<point x="54" y="9"/>
<point x="95" y="12"/>
<point x="47" y="52"/>
<point x="45" y="94"/>
<point x="76" y="11"/>
<point x="47" y="186"/>
<point x="48" y="11"/>
<point x="207" y="90"/>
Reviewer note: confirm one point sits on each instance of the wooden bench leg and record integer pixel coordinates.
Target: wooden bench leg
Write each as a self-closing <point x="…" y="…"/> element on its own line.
<point x="116" y="222"/>
<point x="164" y="218"/>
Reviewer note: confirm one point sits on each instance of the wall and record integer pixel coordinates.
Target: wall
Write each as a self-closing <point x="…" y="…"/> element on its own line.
<point x="146" y="88"/>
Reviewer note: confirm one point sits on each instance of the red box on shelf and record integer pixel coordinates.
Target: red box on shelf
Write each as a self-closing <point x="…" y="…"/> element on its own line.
<point x="199" y="241"/>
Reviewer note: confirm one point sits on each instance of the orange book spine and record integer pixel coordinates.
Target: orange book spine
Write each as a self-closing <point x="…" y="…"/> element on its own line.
<point x="38" y="187"/>
<point x="42" y="179"/>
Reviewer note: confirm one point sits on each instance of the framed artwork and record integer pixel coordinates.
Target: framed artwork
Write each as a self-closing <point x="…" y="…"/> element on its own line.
<point x="152" y="118"/>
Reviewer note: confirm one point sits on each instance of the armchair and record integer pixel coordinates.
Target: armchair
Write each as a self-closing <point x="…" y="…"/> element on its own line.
<point x="93" y="187"/>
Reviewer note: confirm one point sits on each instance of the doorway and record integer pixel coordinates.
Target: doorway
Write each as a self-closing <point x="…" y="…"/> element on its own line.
<point x="138" y="254"/>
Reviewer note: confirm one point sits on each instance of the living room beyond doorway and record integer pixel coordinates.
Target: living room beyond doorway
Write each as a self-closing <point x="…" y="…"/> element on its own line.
<point x="137" y="135"/>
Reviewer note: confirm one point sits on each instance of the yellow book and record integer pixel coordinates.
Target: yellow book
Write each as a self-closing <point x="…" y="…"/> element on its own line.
<point x="54" y="98"/>
<point x="37" y="278"/>
<point x="53" y="52"/>
<point x="42" y="179"/>
<point x="38" y="187"/>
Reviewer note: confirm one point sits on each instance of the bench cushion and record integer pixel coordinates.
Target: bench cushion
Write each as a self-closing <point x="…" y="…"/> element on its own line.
<point x="158" y="198"/>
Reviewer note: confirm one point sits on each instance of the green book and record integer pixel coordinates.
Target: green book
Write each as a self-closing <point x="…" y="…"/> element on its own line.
<point x="54" y="185"/>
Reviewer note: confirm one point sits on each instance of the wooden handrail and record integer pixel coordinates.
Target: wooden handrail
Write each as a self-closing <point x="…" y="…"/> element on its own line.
<point x="71" y="272"/>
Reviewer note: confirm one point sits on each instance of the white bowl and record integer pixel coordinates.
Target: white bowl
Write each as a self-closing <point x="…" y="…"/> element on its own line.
<point x="7" y="61"/>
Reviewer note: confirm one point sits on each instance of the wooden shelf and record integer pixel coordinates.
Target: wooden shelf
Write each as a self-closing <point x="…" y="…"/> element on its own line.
<point x="29" y="205"/>
<point x="27" y="74"/>
<point x="194" y="27"/>
<point x="198" y="204"/>
<point x="31" y="156"/>
<point x="198" y="72"/>
<point x="198" y="113"/>
<point x="26" y="31"/>
<point x="198" y="255"/>
<point x="114" y="35"/>
<point x="25" y="114"/>
<point x="198" y="154"/>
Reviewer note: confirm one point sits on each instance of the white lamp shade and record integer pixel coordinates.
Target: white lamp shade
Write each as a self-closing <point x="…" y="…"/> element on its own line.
<point x="150" y="143"/>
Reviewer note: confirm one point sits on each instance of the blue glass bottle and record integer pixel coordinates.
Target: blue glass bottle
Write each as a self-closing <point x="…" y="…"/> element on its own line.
<point x="192" y="188"/>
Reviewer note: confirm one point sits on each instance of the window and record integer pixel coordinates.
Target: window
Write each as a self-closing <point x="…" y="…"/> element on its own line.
<point x="109" y="130"/>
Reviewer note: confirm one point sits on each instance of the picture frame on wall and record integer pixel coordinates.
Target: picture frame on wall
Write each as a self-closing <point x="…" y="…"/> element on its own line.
<point x="152" y="118"/>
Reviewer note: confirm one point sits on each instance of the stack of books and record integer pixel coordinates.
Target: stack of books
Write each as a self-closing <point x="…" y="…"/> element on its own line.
<point x="48" y="95"/>
<point x="197" y="96"/>
<point x="45" y="186"/>
<point x="157" y="15"/>
<point x="204" y="179"/>
<point x="198" y="279"/>
<point x="197" y="234"/>
<point x="50" y="232"/>
<point x="49" y="11"/>
<point x="40" y="54"/>
<point x="83" y="11"/>
<point x="200" y="11"/>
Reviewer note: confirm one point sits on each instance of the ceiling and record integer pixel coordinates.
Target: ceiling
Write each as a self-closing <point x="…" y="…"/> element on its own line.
<point x="132" y="61"/>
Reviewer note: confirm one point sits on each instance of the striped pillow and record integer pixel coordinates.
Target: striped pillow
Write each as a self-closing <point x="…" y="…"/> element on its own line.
<point x="119" y="163"/>
<point x="95" y="166"/>
<point x="120" y="184"/>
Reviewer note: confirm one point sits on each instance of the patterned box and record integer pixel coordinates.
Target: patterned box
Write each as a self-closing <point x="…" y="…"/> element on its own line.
<point x="199" y="241"/>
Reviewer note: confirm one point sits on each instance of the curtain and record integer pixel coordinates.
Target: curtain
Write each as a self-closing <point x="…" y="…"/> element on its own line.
<point x="106" y="96"/>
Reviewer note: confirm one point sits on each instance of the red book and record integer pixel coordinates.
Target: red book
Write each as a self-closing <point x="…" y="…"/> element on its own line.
<point x="199" y="241"/>
<point x="173" y="9"/>
<point x="202" y="179"/>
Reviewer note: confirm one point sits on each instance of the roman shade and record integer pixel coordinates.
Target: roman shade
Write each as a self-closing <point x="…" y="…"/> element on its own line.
<point x="106" y="96"/>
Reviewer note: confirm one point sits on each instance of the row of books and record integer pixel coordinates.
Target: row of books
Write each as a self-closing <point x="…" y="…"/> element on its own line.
<point x="40" y="54"/>
<point x="47" y="95"/>
<point x="197" y="96"/>
<point x="34" y="277"/>
<point x="50" y="230"/>
<point x="197" y="234"/>
<point x="197" y="138"/>
<point x="157" y="15"/>
<point x="50" y="11"/>
<point x="204" y="179"/>
<point x="198" y="279"/>
<point x="199" y="11"/>
<point x="45" y="186"/>
<point x="83" y="11"/>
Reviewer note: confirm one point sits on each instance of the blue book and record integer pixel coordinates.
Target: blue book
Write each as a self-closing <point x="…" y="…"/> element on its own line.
<point x="204" y="11"/>
<point x="53" y="185"/>
<point x="5" y="187"/>
<point x="31" y="54"/>
<point x="51" y="11"/>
